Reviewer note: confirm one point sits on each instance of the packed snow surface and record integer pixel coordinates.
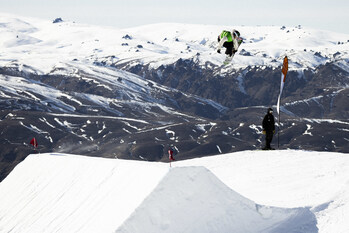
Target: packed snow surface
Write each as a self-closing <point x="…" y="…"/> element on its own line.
<point x="250" y="191"/>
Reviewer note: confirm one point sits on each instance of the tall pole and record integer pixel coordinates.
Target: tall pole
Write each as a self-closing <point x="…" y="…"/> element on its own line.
<point x="283" y="78"/>
<point x="279" y="131"/>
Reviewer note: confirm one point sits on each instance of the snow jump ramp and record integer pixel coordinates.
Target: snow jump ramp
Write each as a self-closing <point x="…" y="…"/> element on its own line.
<point x="67" y="193"/>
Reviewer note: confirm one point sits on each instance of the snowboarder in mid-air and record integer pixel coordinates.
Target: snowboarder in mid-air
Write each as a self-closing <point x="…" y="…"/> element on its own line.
<point x="268" y="125"/>
<point x="230" y="40"/>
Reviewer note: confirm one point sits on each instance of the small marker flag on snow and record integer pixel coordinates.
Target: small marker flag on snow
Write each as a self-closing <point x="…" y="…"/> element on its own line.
<point x="34" y="143"/>
<point x="283" y="78"/>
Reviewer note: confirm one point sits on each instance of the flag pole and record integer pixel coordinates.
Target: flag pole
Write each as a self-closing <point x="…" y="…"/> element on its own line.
<point x="283" y="78"/>
<point x="279" y="131"/>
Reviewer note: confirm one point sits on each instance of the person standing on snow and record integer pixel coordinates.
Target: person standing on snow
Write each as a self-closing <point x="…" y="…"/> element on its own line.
<point x="268" y="125"/>
<point x="231" y="41"/>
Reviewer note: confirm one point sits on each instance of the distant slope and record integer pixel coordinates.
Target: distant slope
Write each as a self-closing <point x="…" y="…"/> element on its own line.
<point x="43" y="44"/>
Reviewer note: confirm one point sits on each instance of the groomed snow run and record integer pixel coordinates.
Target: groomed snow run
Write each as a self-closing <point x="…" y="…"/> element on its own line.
<point x="250" y="191"/>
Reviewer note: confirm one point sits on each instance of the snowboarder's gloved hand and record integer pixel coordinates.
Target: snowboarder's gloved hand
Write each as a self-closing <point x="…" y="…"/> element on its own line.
<point x="218" y="50"/>
<point x="264" y="132"/>
<point x="273" y="131"/>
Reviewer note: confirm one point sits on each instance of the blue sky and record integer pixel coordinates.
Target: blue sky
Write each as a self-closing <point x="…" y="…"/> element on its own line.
<point x="319" y="14"/>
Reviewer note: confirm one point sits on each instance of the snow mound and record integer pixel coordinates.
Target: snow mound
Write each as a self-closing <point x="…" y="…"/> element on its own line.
<point x="192" y="199"/>
<point x="67" y="193"/>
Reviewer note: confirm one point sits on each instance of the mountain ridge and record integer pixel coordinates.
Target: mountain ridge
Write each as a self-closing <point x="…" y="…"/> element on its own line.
<point x="109" y="92"/>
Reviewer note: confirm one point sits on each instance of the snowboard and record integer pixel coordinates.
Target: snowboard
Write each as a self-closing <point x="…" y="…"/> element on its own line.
<point x="228" y="58"/>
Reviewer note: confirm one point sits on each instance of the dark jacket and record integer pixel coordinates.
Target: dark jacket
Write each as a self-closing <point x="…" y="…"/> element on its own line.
<point x="268" y="122"/>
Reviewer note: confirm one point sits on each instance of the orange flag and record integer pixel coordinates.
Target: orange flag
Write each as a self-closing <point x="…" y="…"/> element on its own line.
<point x="285" y="68"/>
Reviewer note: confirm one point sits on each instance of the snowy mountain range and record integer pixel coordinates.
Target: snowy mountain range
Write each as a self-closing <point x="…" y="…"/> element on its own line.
<point x="129" y="93"/>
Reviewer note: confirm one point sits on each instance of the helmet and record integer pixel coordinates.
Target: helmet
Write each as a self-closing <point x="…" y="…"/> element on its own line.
<point x="235" y="33"/>
<point x="270" y="110"/>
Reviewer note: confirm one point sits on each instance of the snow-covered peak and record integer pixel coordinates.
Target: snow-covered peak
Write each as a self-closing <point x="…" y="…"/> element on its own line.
<point x="43" y="44"/>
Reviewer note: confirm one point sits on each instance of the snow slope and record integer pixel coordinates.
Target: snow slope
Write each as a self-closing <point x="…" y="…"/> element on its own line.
<point x="250" y="191"/>
<point x="289" y="179"/>
<point x="74" y="194"/>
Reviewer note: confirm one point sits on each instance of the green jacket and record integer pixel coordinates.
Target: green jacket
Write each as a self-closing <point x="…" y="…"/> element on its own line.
<point x="226" y="34"/>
